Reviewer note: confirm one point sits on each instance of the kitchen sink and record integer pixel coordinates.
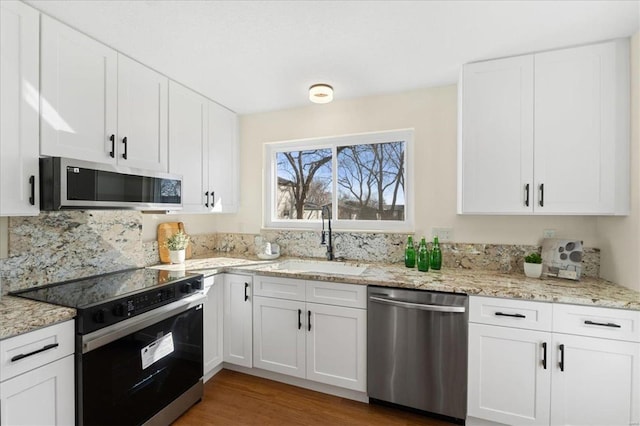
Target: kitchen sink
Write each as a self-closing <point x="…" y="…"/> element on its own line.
<point x="323" y="267"/>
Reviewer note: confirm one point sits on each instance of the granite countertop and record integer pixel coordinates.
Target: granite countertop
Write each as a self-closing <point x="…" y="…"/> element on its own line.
<point x="18" y="316"/>
<point x="588" y="291"/>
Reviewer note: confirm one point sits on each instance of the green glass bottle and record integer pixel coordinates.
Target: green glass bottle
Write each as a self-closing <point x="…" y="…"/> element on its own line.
<point x="436" y="255"/>
<point x="423" y="256"/>
<point x="410" y="254"/>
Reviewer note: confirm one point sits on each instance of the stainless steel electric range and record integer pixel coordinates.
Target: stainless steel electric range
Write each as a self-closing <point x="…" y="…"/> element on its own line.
<point x="139" y="344"/>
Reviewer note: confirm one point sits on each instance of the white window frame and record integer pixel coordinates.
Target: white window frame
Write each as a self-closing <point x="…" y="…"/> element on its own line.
<point x="270" y="177"/>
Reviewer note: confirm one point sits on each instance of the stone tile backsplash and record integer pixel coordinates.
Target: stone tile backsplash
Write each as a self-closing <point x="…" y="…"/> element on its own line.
<point x="57" y="246"/>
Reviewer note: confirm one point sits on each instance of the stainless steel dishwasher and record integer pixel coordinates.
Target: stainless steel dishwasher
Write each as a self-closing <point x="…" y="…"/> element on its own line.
<point x="417" y="350"/>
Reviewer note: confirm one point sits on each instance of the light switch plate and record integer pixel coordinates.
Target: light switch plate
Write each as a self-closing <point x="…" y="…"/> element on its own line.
<point x="549" y="233"/>
<point x="443" y="234"/>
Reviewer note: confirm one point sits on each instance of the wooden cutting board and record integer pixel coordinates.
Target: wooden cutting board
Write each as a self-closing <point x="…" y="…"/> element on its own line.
<point x="165" y="230"/>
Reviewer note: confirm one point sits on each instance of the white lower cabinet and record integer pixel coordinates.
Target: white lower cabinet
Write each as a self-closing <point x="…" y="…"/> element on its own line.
<point x="325" y="343"/>
<point x="507" y="381"/>
<point x="238" y="330"/>
<point x="337" y="346"/>
<point x="213" y="323"/>
<point x="279" y="333"/>
<point x="37" y="384"/>
<point x="539" y="376"/>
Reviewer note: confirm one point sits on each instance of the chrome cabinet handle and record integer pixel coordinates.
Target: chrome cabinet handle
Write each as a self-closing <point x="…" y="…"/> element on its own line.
<point x="420" y="306"/>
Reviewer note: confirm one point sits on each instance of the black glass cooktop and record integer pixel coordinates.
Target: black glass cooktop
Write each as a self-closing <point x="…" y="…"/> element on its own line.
<point x="86" y="292"/>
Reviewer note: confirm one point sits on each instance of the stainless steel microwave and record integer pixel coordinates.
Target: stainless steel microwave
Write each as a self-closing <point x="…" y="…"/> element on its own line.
<point x="67" y="184"/>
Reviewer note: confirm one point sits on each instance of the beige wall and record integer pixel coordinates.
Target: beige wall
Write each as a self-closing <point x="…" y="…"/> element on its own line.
<point x="433" y="114"/>
<point x="620" y="236"/>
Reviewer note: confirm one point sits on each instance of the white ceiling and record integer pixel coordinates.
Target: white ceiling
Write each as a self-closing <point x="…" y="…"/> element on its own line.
<point x="254" y="56"/>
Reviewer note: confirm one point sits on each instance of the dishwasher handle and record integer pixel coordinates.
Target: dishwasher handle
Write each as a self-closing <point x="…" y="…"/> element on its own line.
<point x="421" y="306"/>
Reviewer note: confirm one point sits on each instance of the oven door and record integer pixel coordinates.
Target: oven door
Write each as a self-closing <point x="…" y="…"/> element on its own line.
<point x="136" y="368"/>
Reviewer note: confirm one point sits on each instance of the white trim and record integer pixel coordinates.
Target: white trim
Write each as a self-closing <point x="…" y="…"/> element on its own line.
<point x="269" y="172"/>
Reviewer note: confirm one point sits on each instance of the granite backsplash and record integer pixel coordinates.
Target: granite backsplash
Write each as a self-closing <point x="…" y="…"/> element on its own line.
<point x="57" y="246"/>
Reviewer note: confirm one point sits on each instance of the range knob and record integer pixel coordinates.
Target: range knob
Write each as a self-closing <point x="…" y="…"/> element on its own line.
<point x="187" y="288"/>
<point x="99" y="316"/>
<point x="119" y="309"/>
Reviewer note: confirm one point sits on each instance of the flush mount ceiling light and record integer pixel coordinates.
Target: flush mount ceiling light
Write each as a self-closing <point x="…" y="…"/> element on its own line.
<point x="321" y="93"/>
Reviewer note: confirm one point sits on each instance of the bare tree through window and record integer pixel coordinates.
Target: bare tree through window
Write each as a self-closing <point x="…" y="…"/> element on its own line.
<point x="304" y="183"/>
<point x="371" y="181"/>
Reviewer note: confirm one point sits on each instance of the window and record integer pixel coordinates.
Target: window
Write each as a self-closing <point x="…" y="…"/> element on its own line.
<point x="363" y="179"/>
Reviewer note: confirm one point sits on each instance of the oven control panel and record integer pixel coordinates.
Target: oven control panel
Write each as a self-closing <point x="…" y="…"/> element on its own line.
<point x="111" y="312"/>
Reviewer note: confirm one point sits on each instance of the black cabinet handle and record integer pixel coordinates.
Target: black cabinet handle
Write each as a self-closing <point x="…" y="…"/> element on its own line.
<point x="502" y="314"/>
<point x="309" y="319"/>
<point x="213" y="199"/>
<point x="526" y="195"/>
<point x="541" y="195"/>
<point x="603" y="324"/>
<point x="299" y="319"/>
<point x="124" y="141"/>
<point x="246" y="295"/>
<point x="112" y="138"/>
<point x="32" y="182"/>
<point x="206" y="194"/>
<point x="561" y="363"/>
<point x="42" y="349"/>
<point x="544" y="355"/>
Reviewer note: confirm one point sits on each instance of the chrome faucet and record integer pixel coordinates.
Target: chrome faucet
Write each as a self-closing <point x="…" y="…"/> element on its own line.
<point x="326" y="214"/>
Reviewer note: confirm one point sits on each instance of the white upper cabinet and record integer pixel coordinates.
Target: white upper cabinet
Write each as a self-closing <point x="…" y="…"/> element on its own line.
<point x="19" y="109"/>
<point x="98" y="105"/>
<point x="78" y="95"/>
<point x="497" y="130"/>
<point x="581" y="130"/>
<point x="223" y="159"/>
<point x="546" y="133"/>
<point x="142" y="116"/>
<point x="188" y="145"/>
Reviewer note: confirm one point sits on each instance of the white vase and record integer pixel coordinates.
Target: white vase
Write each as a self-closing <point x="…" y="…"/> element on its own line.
<point x="177" y="256"/>
<point x="533" y="270"/>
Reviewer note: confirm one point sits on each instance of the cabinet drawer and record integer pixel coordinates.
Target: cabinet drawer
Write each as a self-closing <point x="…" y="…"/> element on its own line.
<point x="59" y="334"/>
<point x="329" y="293"/>
<point x="591" y="321"/>
<point x="510" y="313"/>
<point x="282" y="288"/>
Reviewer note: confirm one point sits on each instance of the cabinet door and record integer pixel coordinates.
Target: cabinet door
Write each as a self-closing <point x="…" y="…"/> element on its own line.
<point x="213" y="323"/>
<point x="508" y="382"/>
<point x="495" y="147"/>
<point x="337" y="346"/>
<point x="188" y="150"/>
<point x="279" y="335"/>
<point x="237" y="320"/>
<point x="598" y="383"/>
<point x="44" y="396"/>
<point x="19" y="88"/>
<point x="223" y="159"/>
<point x="78" y="94"/>
<point x="580" y="129"/>
<point x="142" y="116"/>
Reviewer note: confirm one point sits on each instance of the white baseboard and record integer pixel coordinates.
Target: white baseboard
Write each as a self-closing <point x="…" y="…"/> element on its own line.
<point x="295" y="381"/>
<point x="215" y="370"/>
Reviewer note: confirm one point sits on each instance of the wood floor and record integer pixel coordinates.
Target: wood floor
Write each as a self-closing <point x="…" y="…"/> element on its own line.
<point x="232" y="398"/>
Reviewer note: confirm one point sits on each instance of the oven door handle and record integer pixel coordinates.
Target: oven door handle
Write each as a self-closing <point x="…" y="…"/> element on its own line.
<point x="421" y="306"/>
<point x="116" y="331"/>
